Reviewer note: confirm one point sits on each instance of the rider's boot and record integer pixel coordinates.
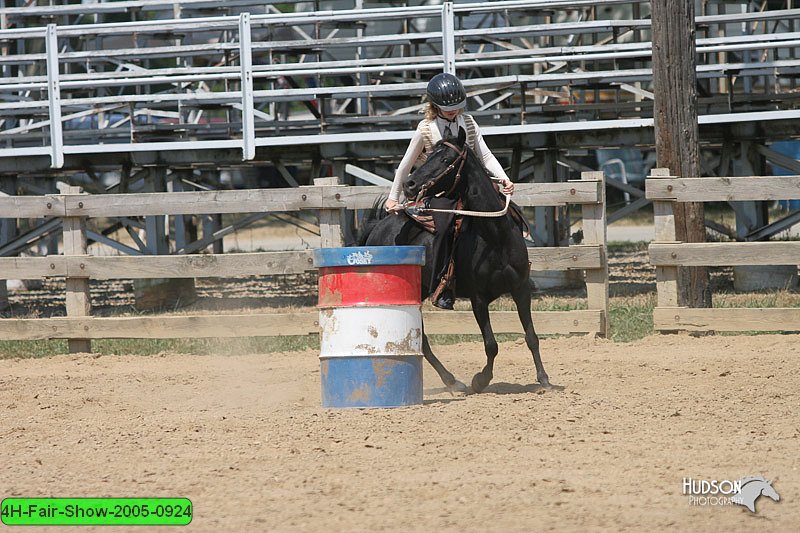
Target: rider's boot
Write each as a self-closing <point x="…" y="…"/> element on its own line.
<point x="445" y="300"/>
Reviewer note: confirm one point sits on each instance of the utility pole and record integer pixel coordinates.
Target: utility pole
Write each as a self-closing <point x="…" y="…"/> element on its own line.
<point x="676" y="131"/>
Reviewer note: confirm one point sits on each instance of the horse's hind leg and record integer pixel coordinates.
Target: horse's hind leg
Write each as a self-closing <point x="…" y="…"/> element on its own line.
<point x="452" y="384"/>
<point x="480" y="309"/>
<point x="522" y="298"/>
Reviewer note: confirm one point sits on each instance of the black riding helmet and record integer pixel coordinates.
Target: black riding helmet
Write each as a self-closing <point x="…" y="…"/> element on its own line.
<point x="446" y="92"/>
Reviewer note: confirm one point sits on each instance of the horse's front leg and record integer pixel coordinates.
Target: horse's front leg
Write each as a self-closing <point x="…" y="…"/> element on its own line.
<point x="522" y="299"/>
<point x="449" y="380"/>
<point x="480" y="308"/>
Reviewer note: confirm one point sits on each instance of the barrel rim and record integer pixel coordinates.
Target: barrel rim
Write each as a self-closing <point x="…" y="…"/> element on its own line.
<point x="369" y="256"/>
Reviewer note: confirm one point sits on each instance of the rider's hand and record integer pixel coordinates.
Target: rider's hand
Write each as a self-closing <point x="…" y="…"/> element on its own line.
<point x="391" y="206"/>
<point x="508" y="187"/>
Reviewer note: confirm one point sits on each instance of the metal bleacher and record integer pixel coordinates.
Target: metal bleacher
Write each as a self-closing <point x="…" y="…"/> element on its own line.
<point x="535" y="71"/>
<point x="147" y="91"/>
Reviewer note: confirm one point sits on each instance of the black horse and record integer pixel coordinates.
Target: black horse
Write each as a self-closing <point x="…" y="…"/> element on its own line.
<point x="491" y="258"/>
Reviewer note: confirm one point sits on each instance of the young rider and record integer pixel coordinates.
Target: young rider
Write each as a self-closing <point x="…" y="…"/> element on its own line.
<point x="444" y="115"/>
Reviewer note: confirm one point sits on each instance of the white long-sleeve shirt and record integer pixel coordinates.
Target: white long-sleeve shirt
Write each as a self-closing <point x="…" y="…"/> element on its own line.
<point x="417" y="144"/>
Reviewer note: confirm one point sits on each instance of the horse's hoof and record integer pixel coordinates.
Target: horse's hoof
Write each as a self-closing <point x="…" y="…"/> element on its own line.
<point x="480" y="381"/>
<point x="458" y="389"/>
<point x="544" y="381"/>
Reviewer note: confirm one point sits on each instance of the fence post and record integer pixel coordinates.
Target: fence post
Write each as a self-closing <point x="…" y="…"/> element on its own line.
<point x="664" y="220"/>
<point x="594" y="233"/>
<point x="330" y="219"/>
<point x="79" y="302"/>
<point x="8" y="231"/>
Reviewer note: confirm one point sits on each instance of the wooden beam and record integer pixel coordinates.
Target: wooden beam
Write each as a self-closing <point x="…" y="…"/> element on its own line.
<point x="32" y="267"/>
<point x="195" y="203"/>
<point x="274" y="325"/>
<point x="266" y="200"/>
<point x="725" y="189"/>
<point x="725" y="253"/>
<point x="558" y="193"/>
<point x="566" y="257"/>
<point x="31" y="206"/>
<point x="361" y="196"/>
<point x="525" y="194"/>
<point x="191" y="266"/>
<point x="545" y="322"/>
<point x="726" y="319"/>
<point x="161" y="327"/>
<point x="231" y="265"/>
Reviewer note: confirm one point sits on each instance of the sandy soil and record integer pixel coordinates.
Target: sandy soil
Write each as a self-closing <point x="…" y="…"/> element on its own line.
<point x="243" y="435"/>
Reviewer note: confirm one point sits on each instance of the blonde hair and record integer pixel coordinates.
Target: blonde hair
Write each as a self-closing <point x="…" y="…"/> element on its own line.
<point x="431" y="111"/>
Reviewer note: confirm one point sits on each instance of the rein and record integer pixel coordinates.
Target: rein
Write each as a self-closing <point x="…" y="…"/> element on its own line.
<point x="461" y="160"/>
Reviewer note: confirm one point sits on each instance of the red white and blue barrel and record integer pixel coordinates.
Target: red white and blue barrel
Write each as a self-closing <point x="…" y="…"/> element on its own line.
<point x="370" y="318"/>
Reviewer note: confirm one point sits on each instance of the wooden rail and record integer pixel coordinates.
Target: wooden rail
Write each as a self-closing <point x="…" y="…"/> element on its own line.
<point x="667" y="254"/>
<point x="326" y="196"/>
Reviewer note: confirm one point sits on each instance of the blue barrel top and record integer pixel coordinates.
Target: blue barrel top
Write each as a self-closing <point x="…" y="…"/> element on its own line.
<point x="369" y="256"/>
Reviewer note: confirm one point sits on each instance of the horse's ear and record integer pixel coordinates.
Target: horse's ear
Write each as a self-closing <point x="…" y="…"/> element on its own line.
<point x="462" y="136"/>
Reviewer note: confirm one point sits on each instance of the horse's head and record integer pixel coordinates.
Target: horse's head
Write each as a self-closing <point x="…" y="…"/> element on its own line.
<point x="752" y="488"/>
<point x="769" y="491"/>
<point x="441" y="172"/>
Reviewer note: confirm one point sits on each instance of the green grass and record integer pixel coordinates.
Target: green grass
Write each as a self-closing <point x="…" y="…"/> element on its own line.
<point x="631" y="317"/>
<point x="34" y="349"/>
<point x="770" y="299"/>
<point x="31" y="349"/>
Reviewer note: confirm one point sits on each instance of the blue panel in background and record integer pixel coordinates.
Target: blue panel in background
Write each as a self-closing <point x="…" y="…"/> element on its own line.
<point x="369" y="256"/>
<point x="791" y="149"/>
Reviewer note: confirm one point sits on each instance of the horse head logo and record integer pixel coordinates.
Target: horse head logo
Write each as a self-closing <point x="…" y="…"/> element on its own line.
<point x="752" y="488"/>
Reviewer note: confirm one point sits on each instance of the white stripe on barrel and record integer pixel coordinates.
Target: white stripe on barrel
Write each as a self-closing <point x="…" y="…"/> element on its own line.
<point x="380" y="330"/>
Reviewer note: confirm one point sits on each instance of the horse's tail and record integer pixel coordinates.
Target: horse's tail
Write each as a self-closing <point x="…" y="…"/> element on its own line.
<point x="371" y="219"/>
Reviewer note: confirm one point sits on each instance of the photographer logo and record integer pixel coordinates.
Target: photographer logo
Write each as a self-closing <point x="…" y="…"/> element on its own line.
<point x="744" y="491"/>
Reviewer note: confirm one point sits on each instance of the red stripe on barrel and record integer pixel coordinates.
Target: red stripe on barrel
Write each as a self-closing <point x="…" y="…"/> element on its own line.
<point x="370" y="285"/>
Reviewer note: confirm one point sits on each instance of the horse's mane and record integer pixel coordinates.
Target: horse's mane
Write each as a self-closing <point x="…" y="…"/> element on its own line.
<point x="370" y="220"/>
<point x="478" y="162"/>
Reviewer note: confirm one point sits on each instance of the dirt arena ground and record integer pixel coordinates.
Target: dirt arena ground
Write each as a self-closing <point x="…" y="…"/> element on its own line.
<point x="245" y="438"/>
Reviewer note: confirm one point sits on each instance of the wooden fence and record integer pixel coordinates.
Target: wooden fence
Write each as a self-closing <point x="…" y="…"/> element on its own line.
<point x="77" y="267"/>
<point x="667" y="254"/>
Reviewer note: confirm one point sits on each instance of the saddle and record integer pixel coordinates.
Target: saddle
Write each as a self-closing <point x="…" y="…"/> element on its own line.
<point x="424" y="221"/>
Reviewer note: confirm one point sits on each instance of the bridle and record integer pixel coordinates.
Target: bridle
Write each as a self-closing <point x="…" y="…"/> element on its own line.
<point x="460" y="161"/>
